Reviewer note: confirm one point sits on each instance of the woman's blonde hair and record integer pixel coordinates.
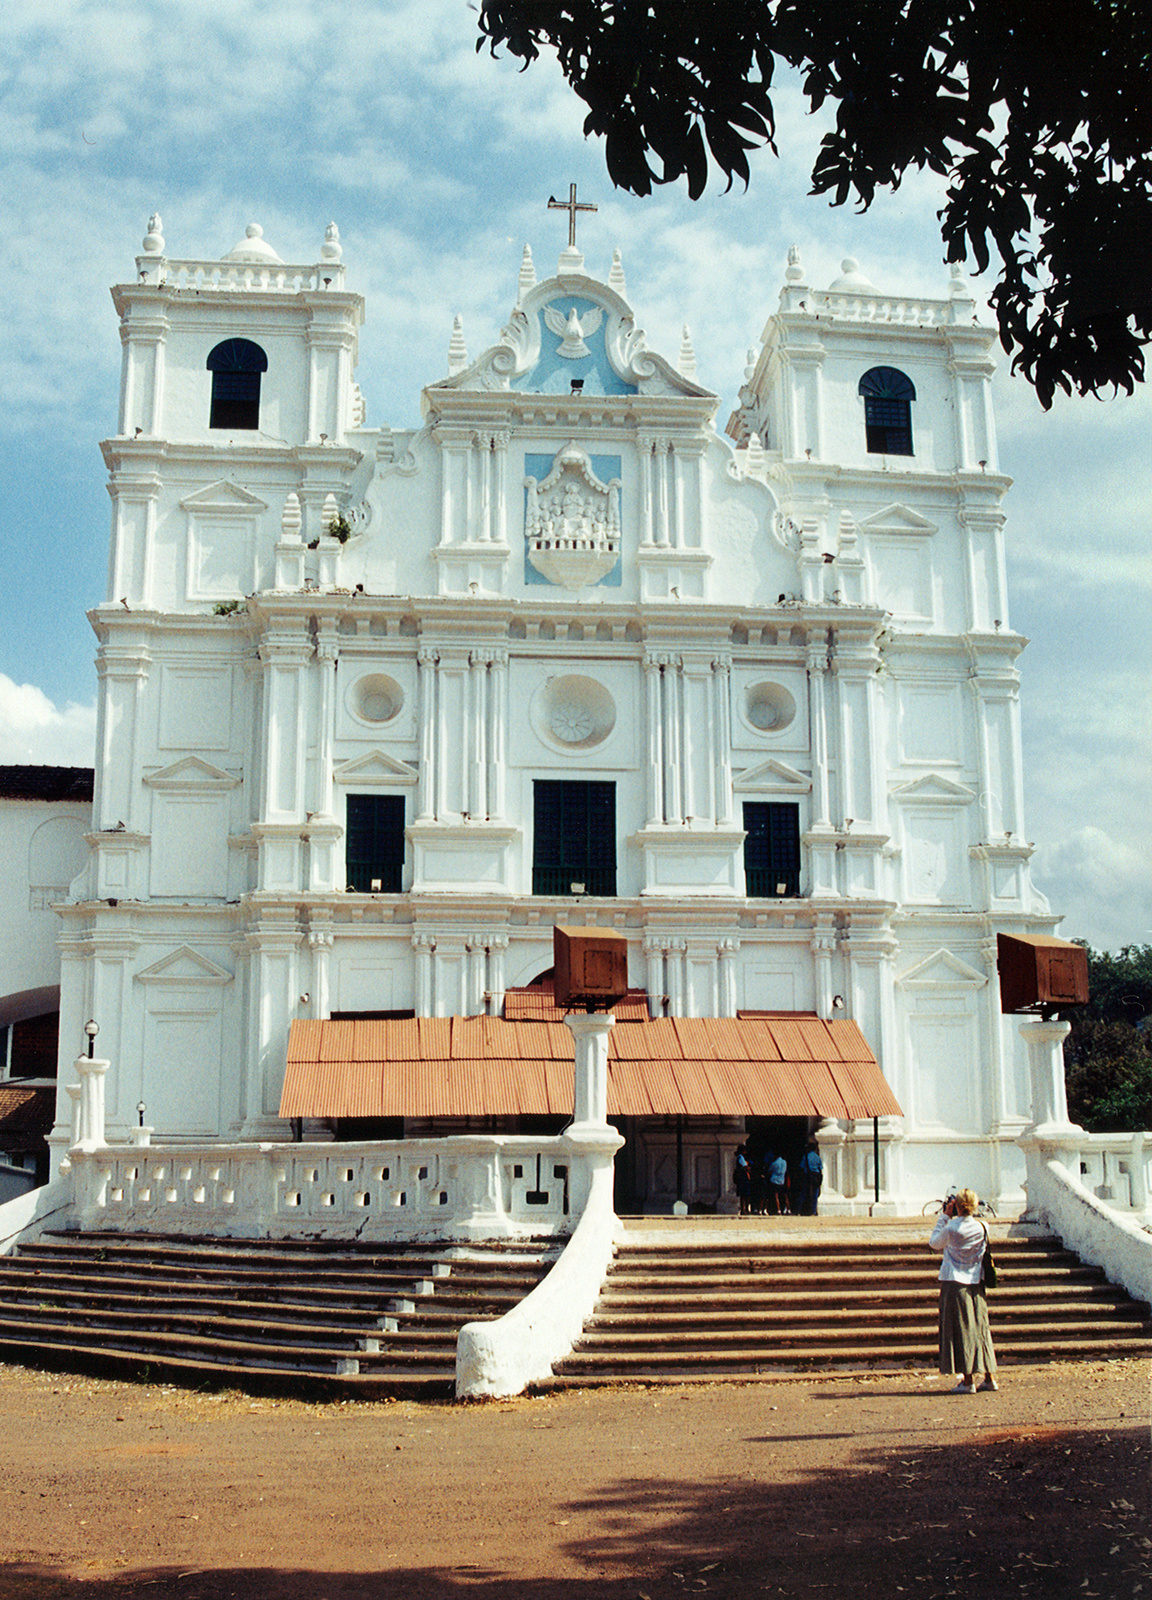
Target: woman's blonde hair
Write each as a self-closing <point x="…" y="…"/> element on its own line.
<point x="967" y="1201"/>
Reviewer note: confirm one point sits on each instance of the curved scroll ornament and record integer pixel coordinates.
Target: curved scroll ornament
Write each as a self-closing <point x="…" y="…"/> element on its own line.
<point x="572" y="522"/>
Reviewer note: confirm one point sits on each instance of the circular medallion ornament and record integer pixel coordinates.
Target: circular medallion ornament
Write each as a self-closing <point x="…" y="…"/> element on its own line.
<point x="376" y="698"/>
<point x="573" y="713"/>
<point x="571" y="721"/>
<point x="768" y="707"/>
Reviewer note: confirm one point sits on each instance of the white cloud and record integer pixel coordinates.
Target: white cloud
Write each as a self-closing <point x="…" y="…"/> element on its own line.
<point x="1103" y="886"/>
<point x="35" y="732"/>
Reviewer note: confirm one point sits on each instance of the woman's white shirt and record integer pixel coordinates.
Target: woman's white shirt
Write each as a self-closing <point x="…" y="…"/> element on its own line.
<point x="962" y="1241"/>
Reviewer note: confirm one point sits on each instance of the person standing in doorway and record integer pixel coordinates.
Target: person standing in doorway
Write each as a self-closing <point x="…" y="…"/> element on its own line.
<point x="811" y="1177"/>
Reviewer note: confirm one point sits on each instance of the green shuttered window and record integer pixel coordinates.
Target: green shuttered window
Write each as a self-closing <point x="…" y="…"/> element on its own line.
<point x="374" y="843"/>
<point x="772" y="849"/>
<point x="574" y="837"/>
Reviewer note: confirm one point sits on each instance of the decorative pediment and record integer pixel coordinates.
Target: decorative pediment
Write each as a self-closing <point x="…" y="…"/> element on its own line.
<point x="942" y="970"/>
<point x="183" y="967"/>
<point x="935" y="790"/>
<point x="223" y="497"/>
<point x="774" y="777"/>
<point x="570" y="329"/>
<point x="898" y="519"/>
<point x="375" y="768"/>
<point x="192" y="776"/>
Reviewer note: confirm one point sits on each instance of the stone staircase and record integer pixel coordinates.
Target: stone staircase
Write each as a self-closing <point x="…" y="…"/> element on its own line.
<point x="753" y="1297"/>
<point x="286" y="1317"/>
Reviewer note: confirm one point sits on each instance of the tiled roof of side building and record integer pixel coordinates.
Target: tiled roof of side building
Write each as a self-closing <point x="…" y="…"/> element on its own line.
<point x="46" y="783"/>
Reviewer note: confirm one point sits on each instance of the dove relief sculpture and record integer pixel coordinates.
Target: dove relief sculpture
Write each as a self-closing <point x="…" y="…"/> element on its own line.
<point x="572" y="330"/>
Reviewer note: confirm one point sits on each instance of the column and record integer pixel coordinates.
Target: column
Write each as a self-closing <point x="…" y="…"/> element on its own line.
<point x="92" y="1071"/>
<point x="676" y="482"/>
<point x="497" y="735"/>
<point x="423" y="945"/>
<point x="426" y="680"/>
<point x="500" y="442"/>
<point x="475" y="964"/>
<point x="660" y="447"/>
<point x="477" y="736"/>
<point x="823" y="946"/>
<point x="817" y="663"/>
<point x="655" y="764"/>
<point x="1045" y="1043"/>
<point x="480" y="514"/>
<point x="497" y="945"/>
<point x="590" y="1032"/>
<point x="722" y="719"/>
<point x="675" y="952"/>
<point x="320" y="939"/>
<point x="644" y="448"/>
<point x="727" y="951"/>
<point x="654" y="955"/>
<point x="672" y="741"/>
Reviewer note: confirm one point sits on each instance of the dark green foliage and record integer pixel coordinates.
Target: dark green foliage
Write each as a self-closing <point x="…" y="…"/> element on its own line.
<point x="1038" y="113"/>
<point x="1108" y="1054"/>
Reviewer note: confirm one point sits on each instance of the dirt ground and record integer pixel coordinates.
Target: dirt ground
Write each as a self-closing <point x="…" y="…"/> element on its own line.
<point x="862" y="1487"/>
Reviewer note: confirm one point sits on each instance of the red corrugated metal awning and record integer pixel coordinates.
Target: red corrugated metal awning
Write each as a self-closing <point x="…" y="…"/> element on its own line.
<point x="667" y="1066"/>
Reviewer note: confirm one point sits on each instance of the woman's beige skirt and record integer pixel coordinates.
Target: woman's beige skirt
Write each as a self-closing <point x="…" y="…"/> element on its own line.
<point x="965" y="1337"/>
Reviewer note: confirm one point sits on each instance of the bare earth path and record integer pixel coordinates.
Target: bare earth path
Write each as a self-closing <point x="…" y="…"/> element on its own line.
<point x="855" y="1487"/>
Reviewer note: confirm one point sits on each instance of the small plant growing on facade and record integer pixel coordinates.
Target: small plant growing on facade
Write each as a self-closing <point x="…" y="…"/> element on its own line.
<point x="227" y="608"/>
<point x="340" y="529"/>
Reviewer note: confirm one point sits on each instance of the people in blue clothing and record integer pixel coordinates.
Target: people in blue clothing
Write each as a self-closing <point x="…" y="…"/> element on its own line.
<point x="742" y="1178"/>
<point x="811" y="1176"/>
<point x="776" y="1168"/>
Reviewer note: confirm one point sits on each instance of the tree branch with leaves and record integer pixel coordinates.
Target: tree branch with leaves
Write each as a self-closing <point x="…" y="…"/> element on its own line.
<point x="1039" y="116"/>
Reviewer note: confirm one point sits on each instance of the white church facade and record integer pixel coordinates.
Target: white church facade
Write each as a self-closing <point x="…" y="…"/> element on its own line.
<point x="379" y="708"/>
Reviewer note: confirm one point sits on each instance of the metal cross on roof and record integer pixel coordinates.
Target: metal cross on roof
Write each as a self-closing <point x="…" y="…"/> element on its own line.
<point x="571" y="206"/>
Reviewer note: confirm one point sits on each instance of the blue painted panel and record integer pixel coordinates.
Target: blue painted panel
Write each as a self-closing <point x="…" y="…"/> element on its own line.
<point x="553" y="373"/>
<point x="606" y="468"/>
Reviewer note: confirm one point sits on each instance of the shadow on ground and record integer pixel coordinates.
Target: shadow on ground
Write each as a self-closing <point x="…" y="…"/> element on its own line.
<point x="1021" y="1512"/>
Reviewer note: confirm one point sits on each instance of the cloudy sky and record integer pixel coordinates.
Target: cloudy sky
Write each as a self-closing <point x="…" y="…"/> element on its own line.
<point x="437" y="164"/>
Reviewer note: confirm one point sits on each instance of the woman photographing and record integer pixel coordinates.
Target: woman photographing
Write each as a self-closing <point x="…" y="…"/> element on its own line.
<point x="965" y="1338"/>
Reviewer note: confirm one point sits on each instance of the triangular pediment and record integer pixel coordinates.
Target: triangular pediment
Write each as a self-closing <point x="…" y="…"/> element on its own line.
<point x="935" y="790"/>
<point x="942" y="970"/>
<point x="776" y="777"/>
<point x="190" y="774"/>
<point x="898" y="519"/>
<point x="223" y="497"/>
<point x="185" y="966"/>
<point x="375" y="767"/>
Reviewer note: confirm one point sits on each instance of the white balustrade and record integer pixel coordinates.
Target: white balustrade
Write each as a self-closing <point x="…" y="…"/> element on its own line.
<point x="474" y="1186"/>
<point x="1115" y="1168"/>
<point x="276" y="277"/>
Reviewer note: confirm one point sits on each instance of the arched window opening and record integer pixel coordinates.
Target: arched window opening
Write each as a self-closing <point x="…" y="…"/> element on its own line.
<point x="236" y="366"/>
<point x="888" y="396"/>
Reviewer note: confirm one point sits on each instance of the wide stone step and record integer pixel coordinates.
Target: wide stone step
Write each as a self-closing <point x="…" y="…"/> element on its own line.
<point x="511" y="1283"/>
<point x="209" y="1350"/>
<point x="772" y="1316"/>
<point x="382" y="1381"/>
<point x="367" y="1293"/>
<point x="452" y="1314"/>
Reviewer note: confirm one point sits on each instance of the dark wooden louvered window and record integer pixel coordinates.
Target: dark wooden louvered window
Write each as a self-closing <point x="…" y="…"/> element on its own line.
<point x="772" y="849"/>
<point x="374" y="843"/>
<point x="888" y="396"/>
<point x="574" y="838"/>
<point x="236" y="366"/>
